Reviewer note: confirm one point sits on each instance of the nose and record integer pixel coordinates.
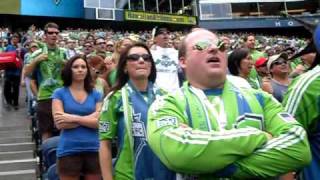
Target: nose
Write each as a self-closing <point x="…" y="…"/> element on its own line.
<point x="213" y="48"/>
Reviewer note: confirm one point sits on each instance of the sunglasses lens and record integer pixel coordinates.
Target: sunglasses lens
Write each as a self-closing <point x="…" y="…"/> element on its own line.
<point x="136" y="57"/>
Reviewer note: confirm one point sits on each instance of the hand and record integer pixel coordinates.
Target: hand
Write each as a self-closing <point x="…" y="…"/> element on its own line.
<point x="299" y="69"/>
<point x="63" y="118"/>
<point x="42" y="57"/>
<point x="269" y="136"/>
<point x="266" y="85"/>
<point x="22" y="83"/>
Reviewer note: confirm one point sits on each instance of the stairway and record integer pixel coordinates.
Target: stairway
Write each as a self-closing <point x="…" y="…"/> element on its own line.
<point x="17" y="160"/>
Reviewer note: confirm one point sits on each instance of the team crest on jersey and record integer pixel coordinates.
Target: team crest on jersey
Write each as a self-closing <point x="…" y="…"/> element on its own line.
<point x="286" y="117"/>
<point x="138" y="128"/>
<point x="104" y="126"/>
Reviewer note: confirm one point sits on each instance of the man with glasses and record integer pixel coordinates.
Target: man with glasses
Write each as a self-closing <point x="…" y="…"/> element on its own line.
<point x="87" y="48"/>
<point x="211" y="128"/>
<point x="110" y="46"/>
<point x="47" y="62"/>
<point x="279" y="70"/>
<point x="100" y="48"/>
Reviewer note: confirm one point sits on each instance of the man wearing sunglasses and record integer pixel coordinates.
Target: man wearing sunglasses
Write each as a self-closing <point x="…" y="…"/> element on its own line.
<point x="166" y="60"/>
<point x="212" y="128"/>
<point x="279" y="70"/>
<point x="47" y="62"/>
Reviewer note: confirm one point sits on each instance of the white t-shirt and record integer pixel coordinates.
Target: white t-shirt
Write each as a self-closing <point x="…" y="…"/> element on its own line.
<point x="167" y="63"/>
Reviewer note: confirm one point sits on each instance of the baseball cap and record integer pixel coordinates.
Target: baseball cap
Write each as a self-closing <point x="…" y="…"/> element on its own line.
<point x="159" y="30"/>
<point x="260" y="61"/>
<point x="273" y="58"/>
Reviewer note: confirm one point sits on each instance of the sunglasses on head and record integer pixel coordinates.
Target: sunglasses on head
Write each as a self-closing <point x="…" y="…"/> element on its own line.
<point x="205" y="44"/>
<point x="136" y="57"/>
<point x="52" y="32"/>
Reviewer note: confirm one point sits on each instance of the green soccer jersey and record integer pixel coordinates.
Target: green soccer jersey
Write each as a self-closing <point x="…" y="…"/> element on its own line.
<point x="253" y="76"/>
<point x="49" y="71"/>
<point x="190" y="138"/>
<point x="131" y="136"/>
<point x="303" y="98"/>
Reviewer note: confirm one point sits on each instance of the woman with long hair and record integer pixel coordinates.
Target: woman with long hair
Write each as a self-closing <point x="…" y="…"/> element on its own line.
<point x="75" y="109"/>
<point x="97" y="67"/>
<point x="124" y="115"/>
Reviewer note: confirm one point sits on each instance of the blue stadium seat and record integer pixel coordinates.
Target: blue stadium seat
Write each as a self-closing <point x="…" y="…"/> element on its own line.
<point x="52" y="172"/>
<point x="48" y="149"/>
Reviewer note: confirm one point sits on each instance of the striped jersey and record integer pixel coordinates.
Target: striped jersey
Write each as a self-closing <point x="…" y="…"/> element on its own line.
<point x="203" y="139"/>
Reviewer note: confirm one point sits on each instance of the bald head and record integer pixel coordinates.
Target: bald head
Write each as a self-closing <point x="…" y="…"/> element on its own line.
<point x="202" y="59"/>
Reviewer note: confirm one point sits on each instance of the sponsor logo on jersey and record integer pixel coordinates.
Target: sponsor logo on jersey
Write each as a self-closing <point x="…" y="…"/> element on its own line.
<point x="167" y="121"/>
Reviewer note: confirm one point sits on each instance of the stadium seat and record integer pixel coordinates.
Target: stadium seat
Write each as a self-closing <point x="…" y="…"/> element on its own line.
<point x="48" y="149"/>
<point x="52" y="172"/>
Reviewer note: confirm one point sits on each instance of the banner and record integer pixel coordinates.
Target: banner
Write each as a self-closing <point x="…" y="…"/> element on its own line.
<point x="9" y="6"/>
<point x="56" y="8"/>
<point x="155" y="17"/>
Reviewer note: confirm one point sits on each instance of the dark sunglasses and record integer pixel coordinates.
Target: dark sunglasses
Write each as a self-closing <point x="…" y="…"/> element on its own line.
<point x="280" y="62"/>
<point x="52" y="32"/>
<point x="136" y="57"/>
<point x="109" y="45"/>
<point x="87" y="46"/>
<point x="100" y="43"/>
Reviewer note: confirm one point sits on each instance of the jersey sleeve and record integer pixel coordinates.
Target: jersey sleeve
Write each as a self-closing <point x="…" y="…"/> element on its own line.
<point x="108" y="117"/>
<point x="192" y="151"/>
<point x="34" y="55"/>
<point x="303" y="102"/>
<point x="287" y="151"/>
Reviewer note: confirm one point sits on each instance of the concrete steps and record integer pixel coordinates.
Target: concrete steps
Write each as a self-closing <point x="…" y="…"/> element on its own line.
<point x="17" y="161"/>
<point x="19" y="175"/>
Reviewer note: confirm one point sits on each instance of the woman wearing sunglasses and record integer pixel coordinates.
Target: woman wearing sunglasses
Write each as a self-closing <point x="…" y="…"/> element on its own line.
<point x="124" y="116"/>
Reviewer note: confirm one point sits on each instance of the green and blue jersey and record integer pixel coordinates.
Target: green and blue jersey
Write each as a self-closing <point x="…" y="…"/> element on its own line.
<point x="228" y="138"/>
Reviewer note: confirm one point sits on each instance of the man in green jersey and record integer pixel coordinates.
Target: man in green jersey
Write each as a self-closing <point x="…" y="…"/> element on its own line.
<point x="250" y="43"/>
<point x="211" y="128"/>
<point x="47" y="62"/>
<point x="302" y="100"/>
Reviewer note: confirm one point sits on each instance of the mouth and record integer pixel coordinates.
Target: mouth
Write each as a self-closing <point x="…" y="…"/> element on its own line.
<point x="213" y="60"/>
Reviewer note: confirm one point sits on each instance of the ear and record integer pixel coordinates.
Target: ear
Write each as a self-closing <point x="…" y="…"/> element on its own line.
<point x="182" y="62"/>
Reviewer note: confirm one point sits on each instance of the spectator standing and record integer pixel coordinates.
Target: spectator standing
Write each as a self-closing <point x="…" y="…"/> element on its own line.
<point x="278" y="67"/>
<point x="124" y="115"/>
<point x="12" y="76"/>
<point x="166" y="60"/>
<point x="48" y="62"/>
<point x="75" y="108"/>
<point x="245" y="132"/>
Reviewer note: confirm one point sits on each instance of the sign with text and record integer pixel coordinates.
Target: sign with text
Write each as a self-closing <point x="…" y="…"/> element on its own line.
<point x="155" y="17"/>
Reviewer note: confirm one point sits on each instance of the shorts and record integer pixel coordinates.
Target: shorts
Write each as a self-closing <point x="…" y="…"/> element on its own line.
<point x="83" y="163"/>
<point x="44" y="116"/>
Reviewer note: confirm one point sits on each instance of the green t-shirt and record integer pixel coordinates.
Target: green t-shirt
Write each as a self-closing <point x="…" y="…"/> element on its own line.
<point x="188" y="138"/>
<point x="112" y="77"/>
<point x="49" y="71"/>
<point x="253" y="77"/>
